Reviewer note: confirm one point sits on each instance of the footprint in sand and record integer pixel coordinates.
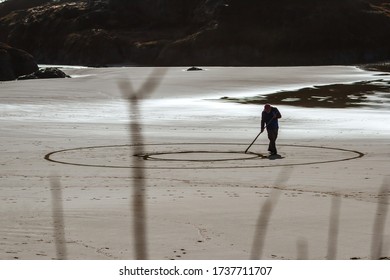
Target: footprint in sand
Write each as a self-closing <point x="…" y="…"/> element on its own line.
<point x="179" y="253"/>
<point x="262" y="194"/>
<point x="232" y="194"/>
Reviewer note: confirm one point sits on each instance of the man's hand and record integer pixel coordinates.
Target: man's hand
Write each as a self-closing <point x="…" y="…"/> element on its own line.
<point x="261" y="130"/>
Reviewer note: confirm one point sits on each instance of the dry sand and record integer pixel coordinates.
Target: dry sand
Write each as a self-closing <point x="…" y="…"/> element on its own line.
<point x="68" y="170"/>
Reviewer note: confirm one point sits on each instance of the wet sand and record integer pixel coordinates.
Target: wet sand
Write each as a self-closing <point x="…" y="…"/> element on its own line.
<point x="87" y="174"/>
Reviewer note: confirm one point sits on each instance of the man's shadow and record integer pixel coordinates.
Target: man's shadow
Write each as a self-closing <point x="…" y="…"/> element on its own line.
<point x="275" y="157"/>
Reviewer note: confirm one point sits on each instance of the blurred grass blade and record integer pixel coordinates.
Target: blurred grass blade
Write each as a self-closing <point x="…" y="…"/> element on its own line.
<point x="58" y="218"/>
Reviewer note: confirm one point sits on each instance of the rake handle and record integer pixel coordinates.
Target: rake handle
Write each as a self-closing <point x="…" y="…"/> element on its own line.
<point x="253" y="141"/>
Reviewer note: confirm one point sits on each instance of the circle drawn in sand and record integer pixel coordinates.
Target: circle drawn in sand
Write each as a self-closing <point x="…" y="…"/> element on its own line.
<point x="189" y="156"/>
<point x="200" y="156"/>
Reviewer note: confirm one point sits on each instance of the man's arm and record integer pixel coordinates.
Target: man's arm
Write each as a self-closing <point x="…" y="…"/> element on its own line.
<point x="277" y="114"/>
<point x="262" y="126"/>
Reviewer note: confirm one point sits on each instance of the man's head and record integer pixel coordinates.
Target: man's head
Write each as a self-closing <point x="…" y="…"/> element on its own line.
<point x="267" y="108"/>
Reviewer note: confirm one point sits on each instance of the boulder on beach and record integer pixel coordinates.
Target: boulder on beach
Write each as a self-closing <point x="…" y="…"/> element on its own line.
<point x="45" y="73"/>
<point x="193" y="68"/>
<point x="15" y="62"/>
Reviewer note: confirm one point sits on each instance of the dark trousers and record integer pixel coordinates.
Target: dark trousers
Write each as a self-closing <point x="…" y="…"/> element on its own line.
<point x="272" y="136"/>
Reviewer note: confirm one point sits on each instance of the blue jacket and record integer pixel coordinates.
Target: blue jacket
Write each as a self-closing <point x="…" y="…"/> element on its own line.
<point x="270" y="120"/>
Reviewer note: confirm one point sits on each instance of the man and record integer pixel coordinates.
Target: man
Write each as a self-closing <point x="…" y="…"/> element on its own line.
<point x="269" y="120"/>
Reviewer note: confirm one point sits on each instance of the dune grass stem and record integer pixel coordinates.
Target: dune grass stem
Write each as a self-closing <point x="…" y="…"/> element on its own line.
<point x="333" y="230"/>
<point x="265" y="215"/>
<point x="138" y="205"/>
<point x="380" y="222"/>
<point x="58" y="218"/>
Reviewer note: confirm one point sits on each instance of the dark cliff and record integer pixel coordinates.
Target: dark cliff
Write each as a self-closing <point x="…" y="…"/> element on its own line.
<point x="15" y="62"/>
<point x="199" y="32"/>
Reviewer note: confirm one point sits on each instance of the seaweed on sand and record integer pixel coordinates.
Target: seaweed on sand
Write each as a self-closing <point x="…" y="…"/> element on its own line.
<point x="326" y="96"/>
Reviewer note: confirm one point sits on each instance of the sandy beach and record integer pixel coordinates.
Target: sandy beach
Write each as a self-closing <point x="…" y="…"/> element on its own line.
<point x="87" y="172"/>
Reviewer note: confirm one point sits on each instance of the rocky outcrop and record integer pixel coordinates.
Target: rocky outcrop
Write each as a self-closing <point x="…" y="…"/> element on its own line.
<point x="194" y="68"/>
<point x="45" y="73"/>
<point x="200" y="32"/>
<point x="14" y="63"/>
<point x="284" y="32"/>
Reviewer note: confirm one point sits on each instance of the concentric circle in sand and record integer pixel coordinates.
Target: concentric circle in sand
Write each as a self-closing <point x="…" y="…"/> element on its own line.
<point x="198" y="156"/>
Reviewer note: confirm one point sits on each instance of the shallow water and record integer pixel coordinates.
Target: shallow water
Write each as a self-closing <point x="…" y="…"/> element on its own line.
<point x="370" y="94"/>
<point x="92" y="96"/>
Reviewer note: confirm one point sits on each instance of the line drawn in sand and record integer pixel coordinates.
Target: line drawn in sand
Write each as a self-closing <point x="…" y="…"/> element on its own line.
<point x="197" y="156"/>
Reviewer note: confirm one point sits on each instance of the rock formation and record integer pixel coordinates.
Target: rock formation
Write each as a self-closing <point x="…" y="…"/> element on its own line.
<point x="15" y="62"/>
<point x="199" y="32"/>
<point x="45" y="73"/>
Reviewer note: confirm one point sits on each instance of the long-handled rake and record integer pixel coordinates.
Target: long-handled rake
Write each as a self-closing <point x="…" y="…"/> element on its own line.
<point x="258" y="135"/>
<point x="253" y="141"/>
